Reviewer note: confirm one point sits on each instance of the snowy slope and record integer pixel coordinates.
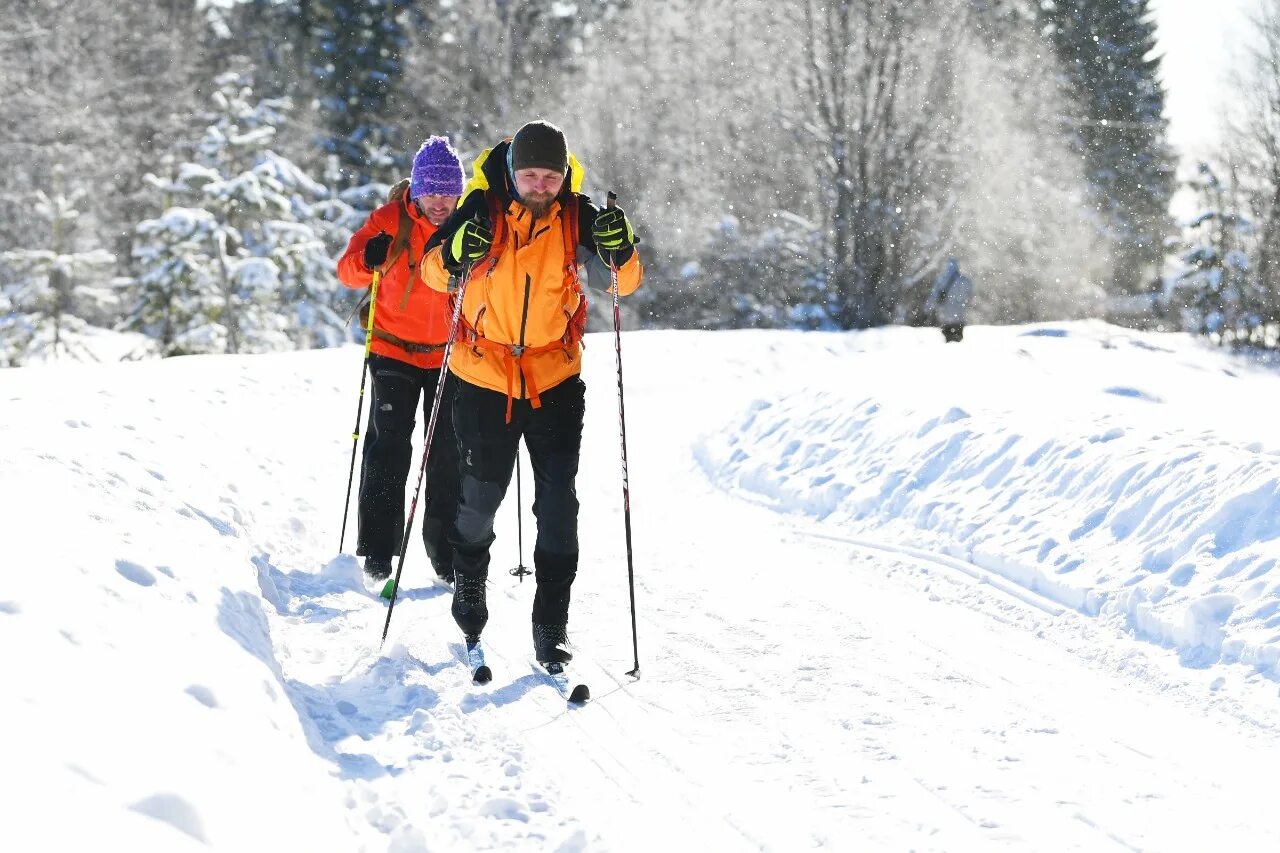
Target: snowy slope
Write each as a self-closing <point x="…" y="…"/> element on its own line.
<point x="1013" y="594"/>
<point x="1130" y="476"/>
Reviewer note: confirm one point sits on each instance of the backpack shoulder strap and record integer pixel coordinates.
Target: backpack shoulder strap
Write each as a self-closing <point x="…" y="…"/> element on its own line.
<point x="497" y="222"/>
<point x="404" y="229"/>
<point x="570" y="211"/>
<point x="569" y="226"/>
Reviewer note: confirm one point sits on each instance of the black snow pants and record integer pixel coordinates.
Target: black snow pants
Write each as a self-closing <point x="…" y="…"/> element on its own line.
<point x="487" y="444"/>
<point x="388" y="452"/>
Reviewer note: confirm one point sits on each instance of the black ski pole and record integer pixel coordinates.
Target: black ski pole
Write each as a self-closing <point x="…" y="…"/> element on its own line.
<point x="521" y="570"/>
<point x="355" y="433"/>
<point x="622" y="427"/>
<point x="426" y="448"/>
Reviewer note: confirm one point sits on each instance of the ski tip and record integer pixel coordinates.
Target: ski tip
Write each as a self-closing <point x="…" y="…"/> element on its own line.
<point x="580" y="695"/>
<point x="388" y="589"/>
<point x="482" y="675"/>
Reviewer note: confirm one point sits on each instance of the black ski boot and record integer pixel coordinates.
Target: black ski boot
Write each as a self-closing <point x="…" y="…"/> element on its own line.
<point x="549" y="644"/>
<point x="470" y="610"/>
<point x="377" y="568"/>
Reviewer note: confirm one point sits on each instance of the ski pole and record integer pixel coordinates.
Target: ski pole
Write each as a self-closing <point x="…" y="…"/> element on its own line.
<point x="622" y="427"/>
<point x="364" y="375"/>
<point x="426" y="448"/>
<point x="520" y="571"/>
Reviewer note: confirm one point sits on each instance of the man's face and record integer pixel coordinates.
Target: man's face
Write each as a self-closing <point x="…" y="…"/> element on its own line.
<point x="538" y="188"/>
<point x="436" y="207"/>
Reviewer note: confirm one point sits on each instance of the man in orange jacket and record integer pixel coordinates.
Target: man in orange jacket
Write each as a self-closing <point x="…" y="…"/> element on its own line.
<point x="522" y="232"/>
<point x="411" y="326"/>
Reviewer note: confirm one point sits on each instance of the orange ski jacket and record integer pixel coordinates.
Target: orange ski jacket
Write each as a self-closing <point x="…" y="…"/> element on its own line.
<point x="519" y="335"/>
<point x="410" y="321"/>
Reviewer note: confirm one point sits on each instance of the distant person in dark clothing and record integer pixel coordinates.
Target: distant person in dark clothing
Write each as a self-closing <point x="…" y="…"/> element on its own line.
<point x="949" y="301"/>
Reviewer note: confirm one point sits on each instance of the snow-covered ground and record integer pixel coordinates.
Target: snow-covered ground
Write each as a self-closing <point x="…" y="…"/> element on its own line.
<point x="1019" y="593"/>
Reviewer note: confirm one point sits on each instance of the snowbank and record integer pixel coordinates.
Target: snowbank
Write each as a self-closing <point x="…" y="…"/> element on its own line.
<point x="1130" y="476"/>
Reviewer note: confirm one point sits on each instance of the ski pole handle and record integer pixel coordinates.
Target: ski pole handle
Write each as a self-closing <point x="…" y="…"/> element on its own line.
<point x="610" y="202"/>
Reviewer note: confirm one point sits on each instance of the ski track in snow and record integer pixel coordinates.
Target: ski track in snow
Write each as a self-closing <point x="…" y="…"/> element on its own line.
<point x="207" y="673"/>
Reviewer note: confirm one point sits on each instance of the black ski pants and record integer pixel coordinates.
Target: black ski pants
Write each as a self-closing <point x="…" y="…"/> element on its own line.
<point x="388" y="451"/>
<point x="487" y="444"/>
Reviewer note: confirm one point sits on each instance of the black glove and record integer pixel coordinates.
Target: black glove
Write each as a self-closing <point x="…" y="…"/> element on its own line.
<point x="613" y="236"/>
<point x="375" y="251"/>
<point x="468" y="244"/>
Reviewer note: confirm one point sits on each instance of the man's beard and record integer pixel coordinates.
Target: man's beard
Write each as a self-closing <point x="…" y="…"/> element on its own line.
<point x="539" y="206"/>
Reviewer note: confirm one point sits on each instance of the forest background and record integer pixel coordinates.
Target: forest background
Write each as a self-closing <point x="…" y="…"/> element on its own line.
<point x="182" y="174"/>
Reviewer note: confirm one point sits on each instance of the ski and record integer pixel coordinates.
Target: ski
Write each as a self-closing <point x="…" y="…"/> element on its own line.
<point x="388" y="589"/>
<point x="480" y="672"/>
<point x="574" y="694"/>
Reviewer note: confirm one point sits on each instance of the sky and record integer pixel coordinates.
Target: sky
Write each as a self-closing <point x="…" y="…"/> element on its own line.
<point x="1019" y="593"/>
<point x="1199" y="40"/>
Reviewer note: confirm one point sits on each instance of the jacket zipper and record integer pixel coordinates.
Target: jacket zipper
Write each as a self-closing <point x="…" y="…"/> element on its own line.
<point x="524" y="312"/>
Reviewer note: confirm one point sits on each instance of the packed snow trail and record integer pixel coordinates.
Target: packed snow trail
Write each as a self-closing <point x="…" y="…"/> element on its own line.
<point x="201" y="671"/>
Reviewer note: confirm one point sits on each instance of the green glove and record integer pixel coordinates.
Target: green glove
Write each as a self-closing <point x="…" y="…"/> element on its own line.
<point x="469" y="244"/>
<point x="613" y="236"/>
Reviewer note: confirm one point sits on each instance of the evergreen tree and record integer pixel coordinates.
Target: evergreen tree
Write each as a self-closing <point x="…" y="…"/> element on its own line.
<point x="357" y="62"/>
<point x="40" y="304"/>
<point x="1214" y="292"/>
<point x="236" y="266"/>
<point x="176" y="295"/>
<point x="1106" y="50"/>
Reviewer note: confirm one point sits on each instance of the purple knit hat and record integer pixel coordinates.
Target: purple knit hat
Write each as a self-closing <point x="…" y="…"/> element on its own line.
<point x="437" y="170"/>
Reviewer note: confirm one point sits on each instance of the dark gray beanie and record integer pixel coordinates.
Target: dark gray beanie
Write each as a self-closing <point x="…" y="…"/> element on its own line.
<point x="540" y="145"/>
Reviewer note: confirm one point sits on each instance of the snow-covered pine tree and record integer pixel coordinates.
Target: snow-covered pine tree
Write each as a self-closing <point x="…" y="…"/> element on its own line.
<point x="309" y="291"/>
<point x="1106" y="49"/>
<point x="1213" y="292"/>
<point x="39" y="305"/>
<point x="176" y="297"/>
<point x="263" y="279"/>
